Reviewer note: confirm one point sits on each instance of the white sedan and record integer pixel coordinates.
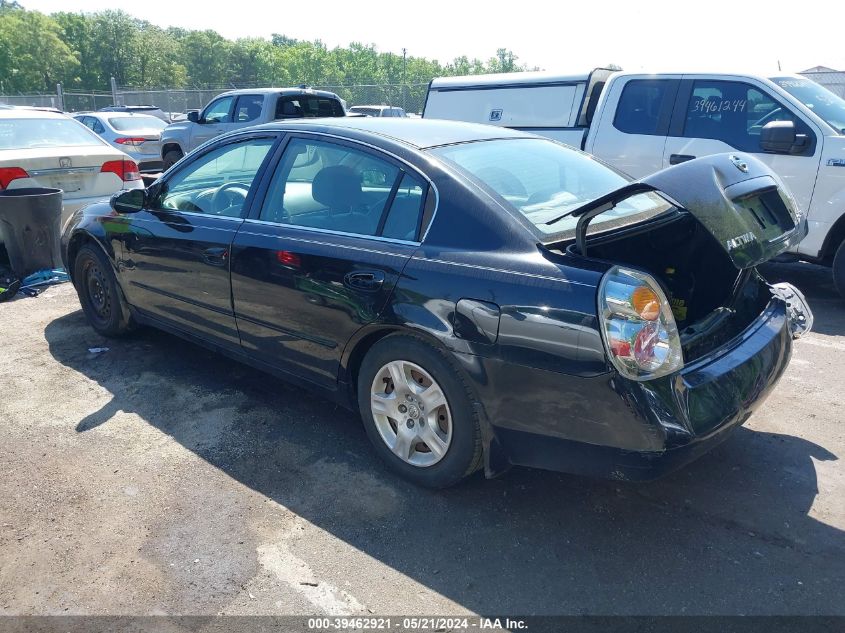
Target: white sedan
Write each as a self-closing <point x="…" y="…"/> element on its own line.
<point x="46" y="149"/>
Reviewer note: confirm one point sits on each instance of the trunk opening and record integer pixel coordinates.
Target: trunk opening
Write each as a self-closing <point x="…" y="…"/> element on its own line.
<point x="711" y="299"/>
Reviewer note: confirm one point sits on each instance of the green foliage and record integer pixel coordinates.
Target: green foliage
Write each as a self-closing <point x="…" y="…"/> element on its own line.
<point x="84" y="50"/>
<point x="32" y="53"/>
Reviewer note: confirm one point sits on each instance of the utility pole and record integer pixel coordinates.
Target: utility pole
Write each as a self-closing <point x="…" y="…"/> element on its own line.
<point x="404" y="57"/>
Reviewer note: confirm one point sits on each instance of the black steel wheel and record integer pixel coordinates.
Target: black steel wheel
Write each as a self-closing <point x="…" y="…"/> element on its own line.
<point x="101" y="299"/>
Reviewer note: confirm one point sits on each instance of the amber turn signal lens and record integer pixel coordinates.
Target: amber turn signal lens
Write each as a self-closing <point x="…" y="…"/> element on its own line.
<point x="646" y="303"/>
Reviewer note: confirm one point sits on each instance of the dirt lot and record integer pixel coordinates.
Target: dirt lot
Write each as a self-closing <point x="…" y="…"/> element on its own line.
<point x="159" y="478"/>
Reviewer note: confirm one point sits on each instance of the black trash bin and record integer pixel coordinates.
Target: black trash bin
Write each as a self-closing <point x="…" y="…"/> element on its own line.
<point x="30" y="227"/>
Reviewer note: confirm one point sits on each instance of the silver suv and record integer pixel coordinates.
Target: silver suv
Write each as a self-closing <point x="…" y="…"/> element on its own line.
<point x="242" y="108"/>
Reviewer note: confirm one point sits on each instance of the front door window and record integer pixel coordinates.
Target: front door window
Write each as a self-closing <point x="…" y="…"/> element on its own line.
<point x="217" y="183"/>
<point x="218" y="111"/>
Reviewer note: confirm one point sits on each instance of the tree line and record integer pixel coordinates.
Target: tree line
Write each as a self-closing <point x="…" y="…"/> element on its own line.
<point x="82" y="51"/>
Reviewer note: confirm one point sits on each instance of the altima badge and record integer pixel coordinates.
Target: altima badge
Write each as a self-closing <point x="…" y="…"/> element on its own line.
<point x="740" y="240"/>
<point x="741" y="165"/>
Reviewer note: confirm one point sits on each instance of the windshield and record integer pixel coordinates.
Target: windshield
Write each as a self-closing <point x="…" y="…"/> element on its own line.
<point x="125" y="123"/>
<point x="31" y="133"/>
<point x="826" y="105"/>
<point x="544" y="180"/>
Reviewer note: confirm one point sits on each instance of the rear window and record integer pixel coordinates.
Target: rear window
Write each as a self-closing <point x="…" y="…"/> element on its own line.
<point x="124" y="123"/>
<point x="364" y="110"/>
<point x="307" y="106"/>
<point x="640" y="106"/>
<point x="33" y="133"/>
<point x="545" y="181"/>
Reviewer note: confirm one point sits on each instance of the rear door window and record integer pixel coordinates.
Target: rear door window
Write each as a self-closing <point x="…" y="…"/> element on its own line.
<point x="403" y="219"/>
<point x="645" y="106"/>
<point x="732" y="112"/>
<point x="248" y="108"/>
<point x="336" y="187"/>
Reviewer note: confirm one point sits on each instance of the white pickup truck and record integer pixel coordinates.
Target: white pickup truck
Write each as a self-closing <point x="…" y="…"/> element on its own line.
<point x="641" y="123"/>
<point x="241" y="108"/>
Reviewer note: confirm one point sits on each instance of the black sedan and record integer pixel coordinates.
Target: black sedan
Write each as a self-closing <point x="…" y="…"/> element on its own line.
<point x="482" y="296"/>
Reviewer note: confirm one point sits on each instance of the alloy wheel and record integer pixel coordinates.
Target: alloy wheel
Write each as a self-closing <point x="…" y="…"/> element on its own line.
<point x="411" y="413"/>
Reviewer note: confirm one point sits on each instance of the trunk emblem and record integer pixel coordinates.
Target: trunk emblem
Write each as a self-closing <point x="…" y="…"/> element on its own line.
<point x="740" y="164"/>
<point x="65" y="162"/>
<point x="740" y="241"/>
<point x="496" y="115"/>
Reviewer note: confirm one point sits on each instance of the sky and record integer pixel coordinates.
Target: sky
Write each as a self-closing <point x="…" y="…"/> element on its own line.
<point x="701" y="35"/>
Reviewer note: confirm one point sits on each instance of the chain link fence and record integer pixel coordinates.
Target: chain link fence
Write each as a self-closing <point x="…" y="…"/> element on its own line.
<point x="833" y="80"/>
<point x="410" y="97"/>
<point x="40" y="101"/>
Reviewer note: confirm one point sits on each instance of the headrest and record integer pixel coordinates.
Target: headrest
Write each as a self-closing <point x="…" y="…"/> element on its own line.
<point x="337" y="187"/>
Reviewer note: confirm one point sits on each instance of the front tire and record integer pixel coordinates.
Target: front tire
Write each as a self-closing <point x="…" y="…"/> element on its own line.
<point x="417" y="411"/>
<point x="839" y="270"/>
<point x="171" y="157"/>
<point x="101" y="299"/>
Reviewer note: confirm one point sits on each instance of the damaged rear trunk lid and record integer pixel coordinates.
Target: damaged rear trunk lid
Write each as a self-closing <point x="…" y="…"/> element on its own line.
<point x="735" y="197"/>
<point x="732" y="213"/>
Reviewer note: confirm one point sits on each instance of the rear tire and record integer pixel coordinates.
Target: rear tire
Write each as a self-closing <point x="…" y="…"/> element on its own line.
<point x="839" y="270"/>
<point x="171" y="157"/>
<point x="101" y="299"/>
<point x="417" y="411"/>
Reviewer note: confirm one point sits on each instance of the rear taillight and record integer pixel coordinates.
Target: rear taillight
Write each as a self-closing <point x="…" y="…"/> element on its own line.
<point x="126" y="170"/>
<point x="8" y="174"/>
<point x="130" y="140"/>
<point x="638" y="326"/>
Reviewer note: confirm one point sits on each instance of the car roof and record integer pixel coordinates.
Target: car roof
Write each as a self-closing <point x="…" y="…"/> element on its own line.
<point x="119" y="108"/>
<point x="111" y="114"/>
<point x="518" y="78"/>
<point x="26" y="113"/>
<point x="418" y="133"/>
<point x="282" y="91"/>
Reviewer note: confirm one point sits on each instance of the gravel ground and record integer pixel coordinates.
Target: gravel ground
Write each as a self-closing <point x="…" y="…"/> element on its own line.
<point x="158" y="478"/>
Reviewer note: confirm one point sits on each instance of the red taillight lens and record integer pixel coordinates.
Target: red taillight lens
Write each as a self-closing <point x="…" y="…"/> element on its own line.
<point x="126" y="170"/>
<point x="8" y="174"/>
<point x="130" y="140"/>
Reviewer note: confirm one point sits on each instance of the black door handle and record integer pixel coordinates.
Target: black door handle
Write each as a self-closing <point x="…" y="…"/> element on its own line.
<point x="677" y="159"/>
<point x="366" y="280"/>
<point x="217" y="256"/>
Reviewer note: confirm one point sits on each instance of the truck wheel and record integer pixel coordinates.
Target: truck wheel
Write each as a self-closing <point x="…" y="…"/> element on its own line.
<point x="417" y="411"/>
<point x="171" y="157"/>
<point x="102" y="302"/>
<point x="839" y="269"/>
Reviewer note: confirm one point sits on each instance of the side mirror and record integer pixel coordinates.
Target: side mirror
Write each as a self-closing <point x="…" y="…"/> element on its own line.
<point x="130" y="201"/>
<point x="194" y="116"/>
<point x="779" y="137"/>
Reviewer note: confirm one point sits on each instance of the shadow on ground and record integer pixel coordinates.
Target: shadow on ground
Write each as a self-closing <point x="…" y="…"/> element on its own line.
<point x="731" y="533"/>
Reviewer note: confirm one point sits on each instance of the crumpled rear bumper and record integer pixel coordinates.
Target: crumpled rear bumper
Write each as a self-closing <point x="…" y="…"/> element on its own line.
<point x="677" y="418"/>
